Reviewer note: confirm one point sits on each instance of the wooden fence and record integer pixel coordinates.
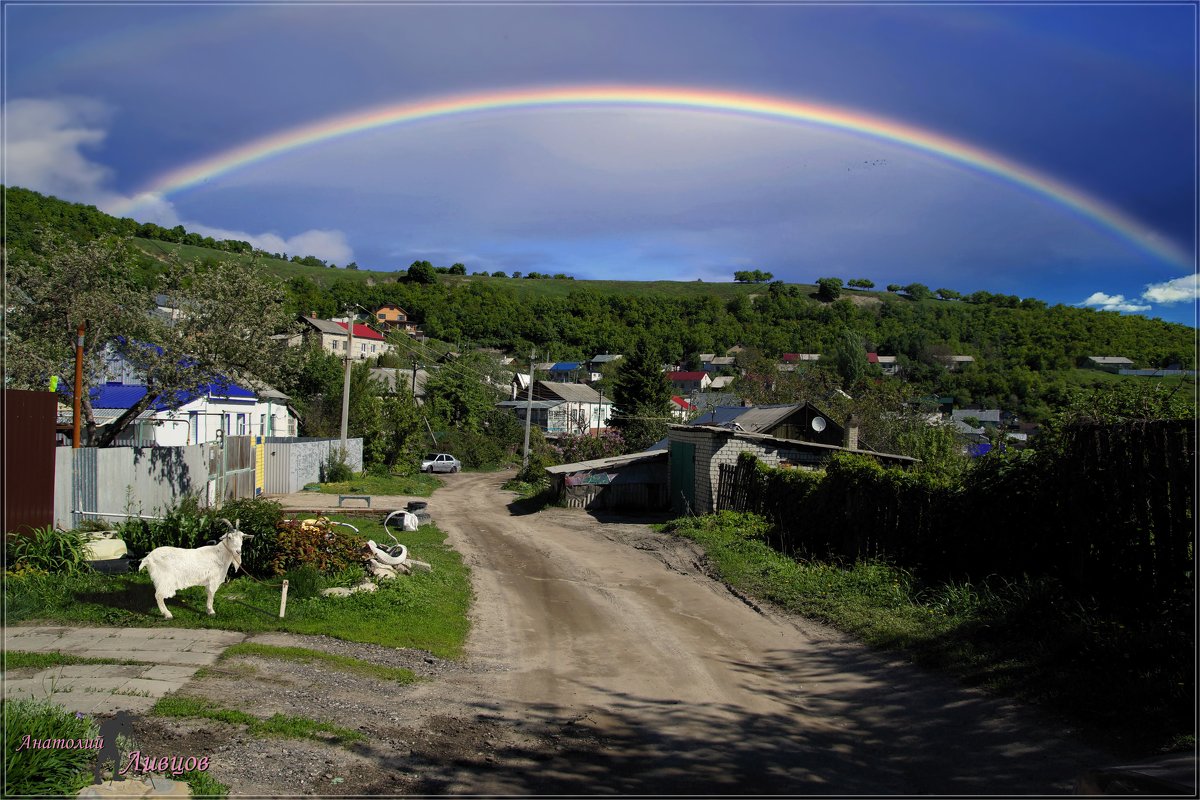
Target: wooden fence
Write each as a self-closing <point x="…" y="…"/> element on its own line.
<point x="1110" y="515"/>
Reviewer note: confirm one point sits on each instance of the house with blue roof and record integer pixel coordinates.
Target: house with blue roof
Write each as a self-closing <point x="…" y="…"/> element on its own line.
<point x="194" y="417"/>
<point x="565" y="372"/>
<point x="250" y="408"/>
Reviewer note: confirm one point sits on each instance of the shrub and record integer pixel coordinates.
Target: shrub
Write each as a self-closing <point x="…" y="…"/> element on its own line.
<point x="53" y="771"/>
<point x="185" y="525"/>
<point x="317" y="544"/>
<point x="335" y="469"/>
<point x="378" y="470"/>
<point x="48" y="550"/>
<point x="472" y="448"/>
<point x="260" y="518"/>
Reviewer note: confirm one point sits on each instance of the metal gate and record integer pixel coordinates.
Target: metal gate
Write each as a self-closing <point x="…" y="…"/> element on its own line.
<point x="683" y="477"/>
<point x="29" y="420"/>
<point x="231" y="463"/>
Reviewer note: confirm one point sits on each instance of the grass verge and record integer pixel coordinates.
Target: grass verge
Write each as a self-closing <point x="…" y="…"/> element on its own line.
<point x="1125" y="680"/>
<point x="425" y="610"/>
<point x="306" y="656"/>
<point x="417" y="485"/>
<point x="276" y="725"/>
<point x="18" y="659"/>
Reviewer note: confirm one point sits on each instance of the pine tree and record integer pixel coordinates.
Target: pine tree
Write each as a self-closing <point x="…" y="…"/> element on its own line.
<point x="642" y="397"/>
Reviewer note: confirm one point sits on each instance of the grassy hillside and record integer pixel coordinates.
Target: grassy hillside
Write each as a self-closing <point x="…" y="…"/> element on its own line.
<point x="322" y="276"/>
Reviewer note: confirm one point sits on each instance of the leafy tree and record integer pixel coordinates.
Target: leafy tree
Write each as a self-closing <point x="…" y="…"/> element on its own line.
<point x="948" y="294"/>
<point x="850" y="359"/>
<point x="918" y="291"/>
<point x="641" y="399"/>
<point x="459" y="396"/>
<point x="352" y="265"/>
<point x="499" y="274"/>
<point x="829" y="289"/>
<point x="894" y="287"/>
<point x="227" y="313"/>
<point x="861" y="283"/>
<point x="422" y="272"/>
<point x="458" y="269"/>
<point x="752" y="276"/>
<point x="516" y="273"/>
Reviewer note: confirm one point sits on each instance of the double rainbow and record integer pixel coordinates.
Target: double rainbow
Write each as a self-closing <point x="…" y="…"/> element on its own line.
<point x="672" y="98"/>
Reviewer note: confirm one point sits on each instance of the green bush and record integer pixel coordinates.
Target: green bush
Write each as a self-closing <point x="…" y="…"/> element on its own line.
<point x="260" y="518"/>
<point x="48" y="550"/>
<point x="51" y="771"/>
<point x="335" y="469"/>
<point x="184" y="525"/>
<point x="473" y="449"/>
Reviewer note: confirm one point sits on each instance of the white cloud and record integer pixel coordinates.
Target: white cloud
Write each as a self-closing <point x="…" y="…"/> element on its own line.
<point x="44" y="144"/>
<point x="1174" y="291"/>
<point x="1113" y="302"/>
<point x="44" y="140"/>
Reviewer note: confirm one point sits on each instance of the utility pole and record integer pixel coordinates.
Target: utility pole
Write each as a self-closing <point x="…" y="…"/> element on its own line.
<point x="346" y="380"/>
<point x="414" y="387"/>
<point x="529" y="408"/>
<point x="600" y="415"/>
<point x="78" y="384"/>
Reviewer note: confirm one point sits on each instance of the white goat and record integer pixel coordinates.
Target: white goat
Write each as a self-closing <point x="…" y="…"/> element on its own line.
<point x="175" y="568"/>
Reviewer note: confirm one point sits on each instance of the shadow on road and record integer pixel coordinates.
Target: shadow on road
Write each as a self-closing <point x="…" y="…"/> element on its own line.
<point x="844" y="723"/>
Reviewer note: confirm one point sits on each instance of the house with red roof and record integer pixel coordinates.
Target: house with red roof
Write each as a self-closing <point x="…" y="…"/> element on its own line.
<point x="681" y="409"/>
<point x="367" y="343"/>
<point x="887" y="364"/>
<point x="688" y="382"/>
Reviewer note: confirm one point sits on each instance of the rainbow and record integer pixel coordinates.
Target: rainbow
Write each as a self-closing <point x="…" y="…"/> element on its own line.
<point x="672" y="98"/>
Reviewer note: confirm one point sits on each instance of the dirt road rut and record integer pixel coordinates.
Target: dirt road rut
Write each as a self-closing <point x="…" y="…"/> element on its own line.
<point x="608" y="642"/>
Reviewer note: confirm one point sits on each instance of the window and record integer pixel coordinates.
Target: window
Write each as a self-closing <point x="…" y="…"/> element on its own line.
<point x="372" y="348"/>
<point x="362" y="347"/>
<point x="262" y="425"/>
<point x="241" y="424"/>
<point x="193" y="427"/>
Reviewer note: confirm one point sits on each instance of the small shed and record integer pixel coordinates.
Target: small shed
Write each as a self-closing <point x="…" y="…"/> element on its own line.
<point x="637" y="481"/>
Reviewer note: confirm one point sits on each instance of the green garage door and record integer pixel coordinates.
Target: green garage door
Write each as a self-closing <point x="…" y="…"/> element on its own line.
<point x="683" y="477"/>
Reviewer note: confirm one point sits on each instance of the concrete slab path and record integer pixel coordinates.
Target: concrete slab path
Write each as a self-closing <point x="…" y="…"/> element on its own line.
<point x="167" y="658"/>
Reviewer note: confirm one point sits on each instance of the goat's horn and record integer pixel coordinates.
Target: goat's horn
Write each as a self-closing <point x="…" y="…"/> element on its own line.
<point x="232" y="527"/>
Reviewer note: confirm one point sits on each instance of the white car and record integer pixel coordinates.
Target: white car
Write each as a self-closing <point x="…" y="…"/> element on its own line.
<point x="440" y="462"/>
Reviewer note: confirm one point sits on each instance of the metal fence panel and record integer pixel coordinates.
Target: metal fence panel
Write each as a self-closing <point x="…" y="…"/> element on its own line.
<point x="29" y="433"/>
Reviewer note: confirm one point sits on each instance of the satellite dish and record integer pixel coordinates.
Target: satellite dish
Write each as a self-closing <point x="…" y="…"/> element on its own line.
<point x="818" y="424"/>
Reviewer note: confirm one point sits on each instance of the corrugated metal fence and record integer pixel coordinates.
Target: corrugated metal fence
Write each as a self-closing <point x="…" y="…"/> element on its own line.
<point x="290" y="463"/>
<point x="107" y="483"/>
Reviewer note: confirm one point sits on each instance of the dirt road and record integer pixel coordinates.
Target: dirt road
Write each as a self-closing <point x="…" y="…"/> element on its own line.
<point x="603" y="660"/>
<point x="652" y="678"/>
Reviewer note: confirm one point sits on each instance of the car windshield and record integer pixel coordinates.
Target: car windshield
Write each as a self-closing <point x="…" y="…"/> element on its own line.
<point x="431" y="457"/>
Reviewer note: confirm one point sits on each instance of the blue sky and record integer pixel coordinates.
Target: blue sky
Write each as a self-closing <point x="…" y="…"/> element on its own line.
<point x="101" y="100"/>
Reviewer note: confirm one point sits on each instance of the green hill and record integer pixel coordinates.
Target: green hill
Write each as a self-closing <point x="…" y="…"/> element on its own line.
<point x="1026" y="354"/>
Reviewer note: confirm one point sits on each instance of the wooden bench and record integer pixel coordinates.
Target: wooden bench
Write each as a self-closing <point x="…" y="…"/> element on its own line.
<point x="342" y="497"/>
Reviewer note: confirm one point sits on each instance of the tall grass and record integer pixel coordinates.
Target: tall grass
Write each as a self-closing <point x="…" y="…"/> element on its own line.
<point x="57" y="771"/>
<point x="1126" y="680"/>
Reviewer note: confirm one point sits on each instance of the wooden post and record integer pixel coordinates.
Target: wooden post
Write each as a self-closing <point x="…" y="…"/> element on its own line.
<point x="78" y="385"/>
<point x="283" y="599"/>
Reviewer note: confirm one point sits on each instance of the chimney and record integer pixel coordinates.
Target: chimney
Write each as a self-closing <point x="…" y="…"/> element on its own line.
<point x="851" y="440"/>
